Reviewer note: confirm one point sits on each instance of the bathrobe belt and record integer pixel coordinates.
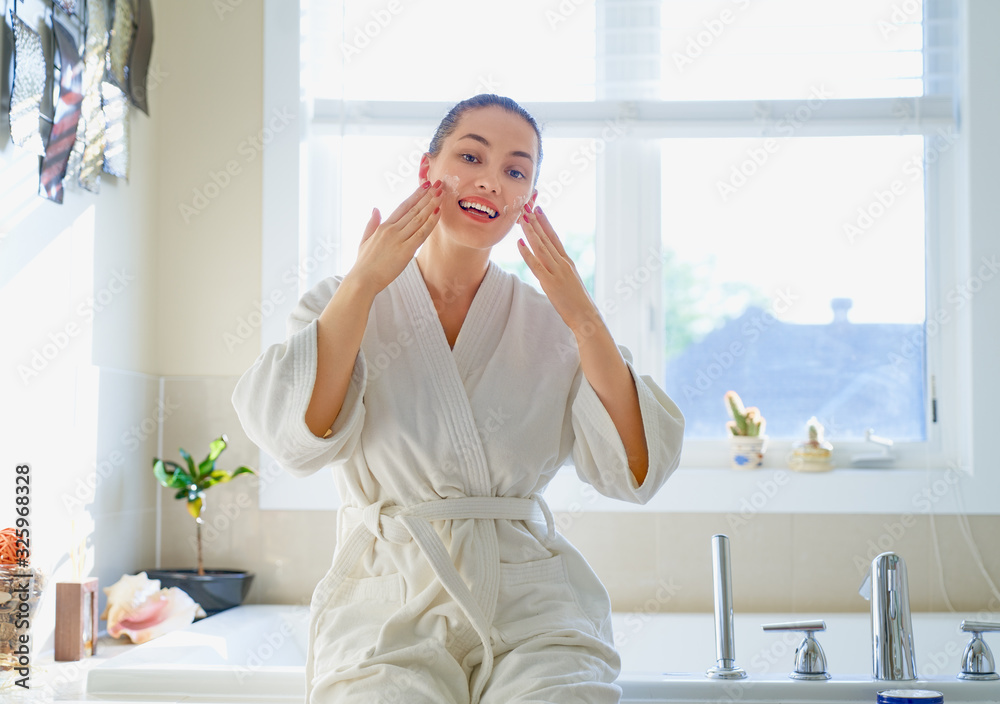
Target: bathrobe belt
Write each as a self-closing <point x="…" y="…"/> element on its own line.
<point x="400" y="524"/>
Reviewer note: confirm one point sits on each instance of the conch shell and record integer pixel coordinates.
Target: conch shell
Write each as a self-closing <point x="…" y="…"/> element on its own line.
<point x="139" y="609"/>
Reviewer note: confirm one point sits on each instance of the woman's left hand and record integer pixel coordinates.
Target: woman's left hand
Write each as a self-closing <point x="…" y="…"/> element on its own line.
<point x="555" y="271"/>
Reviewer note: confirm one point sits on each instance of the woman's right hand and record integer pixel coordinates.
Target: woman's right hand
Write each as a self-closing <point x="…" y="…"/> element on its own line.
<point x="387" y="247"/>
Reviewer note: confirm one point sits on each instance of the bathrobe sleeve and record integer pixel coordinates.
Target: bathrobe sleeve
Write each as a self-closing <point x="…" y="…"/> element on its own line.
<point x="598" y="452"/>
<point x="272" y="395"/>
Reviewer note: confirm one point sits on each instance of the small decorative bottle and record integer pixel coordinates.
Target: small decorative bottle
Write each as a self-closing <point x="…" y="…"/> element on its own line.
<point x="814" y="454"/>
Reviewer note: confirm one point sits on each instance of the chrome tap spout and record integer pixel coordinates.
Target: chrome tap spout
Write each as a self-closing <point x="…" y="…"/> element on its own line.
<point x="725" y="647"/>
<point x="886" y="587"/>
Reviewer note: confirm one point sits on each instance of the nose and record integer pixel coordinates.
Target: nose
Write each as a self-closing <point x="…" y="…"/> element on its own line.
<point x="488" y="181"/>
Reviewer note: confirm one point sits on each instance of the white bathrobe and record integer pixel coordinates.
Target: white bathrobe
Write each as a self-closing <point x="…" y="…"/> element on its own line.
<point x="449" y="582"/>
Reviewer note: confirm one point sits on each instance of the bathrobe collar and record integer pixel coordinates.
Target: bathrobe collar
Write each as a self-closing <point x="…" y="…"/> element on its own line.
<point x="448" y="368"/>
<point x="480" y="317"/>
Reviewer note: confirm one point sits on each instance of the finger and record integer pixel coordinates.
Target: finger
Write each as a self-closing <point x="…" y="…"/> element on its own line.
<point x="372" y="225"/>
<point x="420" y="217"/>
<point x="425" y="230"/>
<point x="423" y="191"/>
<point x="547" y="228"/>
<point x="543" y="250"/>
<point x="548" y="247"/>
<point x="423" y="205"/>
<point x="529" y="258"/>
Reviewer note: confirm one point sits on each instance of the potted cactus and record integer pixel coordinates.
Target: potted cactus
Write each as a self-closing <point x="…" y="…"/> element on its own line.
<point x="747" y="440"/>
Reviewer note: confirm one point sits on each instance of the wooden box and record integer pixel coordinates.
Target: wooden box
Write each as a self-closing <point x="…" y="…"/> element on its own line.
<point x="76" y="620"/>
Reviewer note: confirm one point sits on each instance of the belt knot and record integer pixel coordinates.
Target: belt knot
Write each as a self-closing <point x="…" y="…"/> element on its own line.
<point x="371" y="516"/>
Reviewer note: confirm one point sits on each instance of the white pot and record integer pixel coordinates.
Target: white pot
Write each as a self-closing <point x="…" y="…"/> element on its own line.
<point x="747" y="452"/>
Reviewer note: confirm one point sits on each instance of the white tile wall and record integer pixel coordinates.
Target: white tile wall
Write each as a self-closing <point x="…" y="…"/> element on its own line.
<point x="781" y="562"/>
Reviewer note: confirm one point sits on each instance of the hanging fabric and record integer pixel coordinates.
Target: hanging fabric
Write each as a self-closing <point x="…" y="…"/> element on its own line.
<point x="138" y="62"/>
<point x="92" y="108"/>
<point x="29" y="83"/>
<point x="114" y="90"/>
<point x="122" y="33"/>
<point x="67" y="115"/>
<point x="115" y="104"/>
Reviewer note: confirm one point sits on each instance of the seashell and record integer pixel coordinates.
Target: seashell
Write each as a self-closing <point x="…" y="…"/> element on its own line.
<point x="139" y="609"/>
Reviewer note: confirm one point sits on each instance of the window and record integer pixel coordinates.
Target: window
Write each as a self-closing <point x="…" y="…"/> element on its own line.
<point x="795" y="273"/>
<point x="753" y="189"/>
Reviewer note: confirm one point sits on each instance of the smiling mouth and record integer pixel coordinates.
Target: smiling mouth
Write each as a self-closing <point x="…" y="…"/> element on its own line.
<point x="479" y="208"/>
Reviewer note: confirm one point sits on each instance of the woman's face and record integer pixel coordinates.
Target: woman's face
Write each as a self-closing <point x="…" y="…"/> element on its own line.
<point x="487" y="166"/>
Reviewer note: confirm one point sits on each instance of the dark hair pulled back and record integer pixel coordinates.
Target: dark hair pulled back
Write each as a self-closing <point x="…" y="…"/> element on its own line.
<point x="483" y="100"/>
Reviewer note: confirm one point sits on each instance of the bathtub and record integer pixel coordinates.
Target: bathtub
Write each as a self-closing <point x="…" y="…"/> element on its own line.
<point x="256" y="653"/>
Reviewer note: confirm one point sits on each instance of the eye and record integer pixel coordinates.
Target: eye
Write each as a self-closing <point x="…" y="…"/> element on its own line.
<point x="469" y="158"/>
<point x="516" y="174"/>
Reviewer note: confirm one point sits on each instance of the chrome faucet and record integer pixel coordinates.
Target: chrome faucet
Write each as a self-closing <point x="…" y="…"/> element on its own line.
<point x="886" y="587"/>
<point x="725" y="647"/>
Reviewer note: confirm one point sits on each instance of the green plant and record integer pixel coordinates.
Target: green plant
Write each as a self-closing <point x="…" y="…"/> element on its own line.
<point x="193" y="481"/>
<point x="815" y="430"/>
<point x="745" y="421"/>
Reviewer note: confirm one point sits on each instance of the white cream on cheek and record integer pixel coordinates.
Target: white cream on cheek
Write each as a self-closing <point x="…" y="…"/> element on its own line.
<point x="451" y="181"/>
<point x="519" y="202"/>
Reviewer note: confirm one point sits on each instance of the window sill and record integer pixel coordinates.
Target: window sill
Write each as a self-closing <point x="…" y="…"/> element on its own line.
<point x="896" y="490"/>
<point x="743" y="493"/>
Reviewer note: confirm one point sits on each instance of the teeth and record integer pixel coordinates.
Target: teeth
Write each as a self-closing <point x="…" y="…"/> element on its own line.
<point x="478" y="206"/>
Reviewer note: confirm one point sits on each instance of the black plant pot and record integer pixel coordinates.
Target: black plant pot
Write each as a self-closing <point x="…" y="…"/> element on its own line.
<point x="216" y="590"/>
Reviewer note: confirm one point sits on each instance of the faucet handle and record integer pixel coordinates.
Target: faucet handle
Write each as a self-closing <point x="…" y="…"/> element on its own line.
<point x="806" y="626"/>
<point x="810" y="660"/>
<point x="977" y="660"/>
<point x="979" y="626"/>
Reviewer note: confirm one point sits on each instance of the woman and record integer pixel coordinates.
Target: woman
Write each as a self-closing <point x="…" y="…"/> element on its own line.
<point x="447" y="393"/>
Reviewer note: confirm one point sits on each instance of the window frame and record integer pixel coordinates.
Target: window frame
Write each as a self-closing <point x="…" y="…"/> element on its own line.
<point x="629" y="173"/>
